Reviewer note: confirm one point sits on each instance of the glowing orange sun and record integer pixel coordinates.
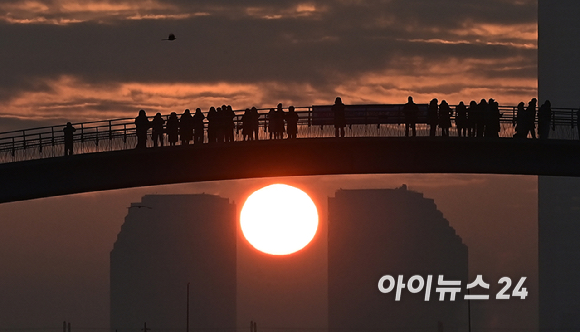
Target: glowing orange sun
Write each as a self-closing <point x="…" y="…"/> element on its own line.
<point x="279" y="219"/>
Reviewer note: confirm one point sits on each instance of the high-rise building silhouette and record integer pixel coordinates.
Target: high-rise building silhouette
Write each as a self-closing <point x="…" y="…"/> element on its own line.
<point x="166" y="242"/>
<point x="559" y="252"/>
<point x="559" y="197"/>
<point x="372" y="233"/>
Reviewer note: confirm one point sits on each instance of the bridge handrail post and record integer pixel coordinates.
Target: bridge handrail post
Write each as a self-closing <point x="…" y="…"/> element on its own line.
<point x="97" y="137"/>
<point x="39" y="142"/>
<point x="124" y="133"/>
<point x="52" y="136"/>
<point x="82" y="133"/>
<point x="24" y="139"/>
<point x="110" y="130"/>
<point x="309" y="117"/>
<point x="13" y="148"/>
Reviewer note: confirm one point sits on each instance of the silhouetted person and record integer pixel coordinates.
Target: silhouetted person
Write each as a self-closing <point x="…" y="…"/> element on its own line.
<point x="272" y="122"/>
<point x="221" y="123"/>
<point x="544" y="120"/>
<point x="445" y="118"/>
<point x="157" y="129"/>
<point x="198" y="126"/>
<point x="530" y="118"/>
<point x="410" y="110"/>
<point x="461" y="119"/>
<point x="433" y="116"/>
<point x="186" y="127"/>
<point x="492" y="126"/>
<point x="230" y="124"/>
<point x="255" y="122"/>
<point x="172" y="129"/>
<point x="521" y="130"/>
<point x="142" y="125"/>
<point x="482" y="109"/>
<point x="212" y="124"/>
<point x="68" y="131"/>
<point x="471" y="116"/>
<point x="280" y="122"/>
<point x="292" y="122"/>
<point x="338" y="110"/>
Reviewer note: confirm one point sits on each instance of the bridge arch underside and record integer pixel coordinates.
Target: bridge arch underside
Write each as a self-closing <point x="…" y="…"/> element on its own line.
<point x="301" y="157"/>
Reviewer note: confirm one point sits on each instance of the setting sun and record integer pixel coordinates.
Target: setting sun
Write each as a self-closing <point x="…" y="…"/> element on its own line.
<point x="279" y="219"/>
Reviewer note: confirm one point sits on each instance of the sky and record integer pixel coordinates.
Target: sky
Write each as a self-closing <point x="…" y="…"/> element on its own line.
<point x="92" y="60"/>
<point x="75" y="61"/>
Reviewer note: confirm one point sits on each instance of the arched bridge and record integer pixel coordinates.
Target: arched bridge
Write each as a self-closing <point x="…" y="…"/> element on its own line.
<point x="314" y="156"/>
<point x="32" y="165"/>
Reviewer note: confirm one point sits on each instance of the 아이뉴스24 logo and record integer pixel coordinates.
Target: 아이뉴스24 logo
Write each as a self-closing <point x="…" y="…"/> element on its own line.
<point x="417" y="283"/>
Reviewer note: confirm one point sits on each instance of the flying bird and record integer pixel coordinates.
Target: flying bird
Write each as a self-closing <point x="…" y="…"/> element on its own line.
<point x="171" y="37"/>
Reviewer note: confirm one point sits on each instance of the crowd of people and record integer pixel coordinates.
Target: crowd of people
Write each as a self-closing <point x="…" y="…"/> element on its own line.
<point x="221" y="126"/>
<point x="476" y="120"/>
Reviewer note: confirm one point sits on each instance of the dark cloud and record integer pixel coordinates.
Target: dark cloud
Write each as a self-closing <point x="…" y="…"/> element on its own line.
<point x="320" y="45"/>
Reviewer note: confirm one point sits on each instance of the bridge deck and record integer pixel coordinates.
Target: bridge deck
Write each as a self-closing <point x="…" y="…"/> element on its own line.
<point x="322" y="156"/>
<point x="314" y="122"/>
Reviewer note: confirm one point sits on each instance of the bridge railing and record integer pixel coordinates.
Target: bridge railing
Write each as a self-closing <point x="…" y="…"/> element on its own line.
<point x="119" y="134"/>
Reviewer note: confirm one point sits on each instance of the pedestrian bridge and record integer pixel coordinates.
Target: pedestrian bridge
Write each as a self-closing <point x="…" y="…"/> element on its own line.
<point x="32" y="164"/>
<point x="98" y="171"/>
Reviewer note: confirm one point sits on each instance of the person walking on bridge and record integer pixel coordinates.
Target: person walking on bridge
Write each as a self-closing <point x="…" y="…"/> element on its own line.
<point x="410" y="111"/>
<point x="338" y="110"/>
<point x="530" y="118"/>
